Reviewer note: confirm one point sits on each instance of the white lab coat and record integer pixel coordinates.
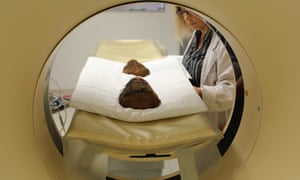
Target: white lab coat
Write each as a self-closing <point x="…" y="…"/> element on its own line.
<point x="217" y="82"/>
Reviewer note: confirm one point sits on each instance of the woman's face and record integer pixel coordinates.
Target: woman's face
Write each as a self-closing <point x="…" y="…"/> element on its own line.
<point x="193" y="20"/>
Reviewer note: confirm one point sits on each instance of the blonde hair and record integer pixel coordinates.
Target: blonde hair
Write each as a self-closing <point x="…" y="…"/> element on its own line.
<point x="183" y="31"/>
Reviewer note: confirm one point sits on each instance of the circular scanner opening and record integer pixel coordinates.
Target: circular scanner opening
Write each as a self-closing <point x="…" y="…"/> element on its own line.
<point x="67" y="60"/>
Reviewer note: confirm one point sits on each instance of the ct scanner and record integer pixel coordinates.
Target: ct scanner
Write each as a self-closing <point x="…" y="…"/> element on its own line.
<point x="265" y="146"/>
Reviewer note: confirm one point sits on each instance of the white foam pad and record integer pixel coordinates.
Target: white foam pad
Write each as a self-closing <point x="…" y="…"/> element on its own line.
<point x="101" y="82"/>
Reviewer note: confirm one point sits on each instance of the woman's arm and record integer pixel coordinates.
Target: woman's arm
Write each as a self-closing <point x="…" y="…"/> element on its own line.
<point x="219" y="89"/>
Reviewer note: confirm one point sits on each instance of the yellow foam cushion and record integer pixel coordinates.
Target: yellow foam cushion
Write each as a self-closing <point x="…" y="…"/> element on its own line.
<point x="162" y="135"/>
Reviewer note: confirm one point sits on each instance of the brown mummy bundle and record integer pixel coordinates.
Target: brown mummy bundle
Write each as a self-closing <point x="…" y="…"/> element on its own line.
<point x="138" y="94"/>
<point x="135" y="68"/>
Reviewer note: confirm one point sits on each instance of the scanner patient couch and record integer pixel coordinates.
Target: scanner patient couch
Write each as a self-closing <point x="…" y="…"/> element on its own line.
<point x="189" y="138"/>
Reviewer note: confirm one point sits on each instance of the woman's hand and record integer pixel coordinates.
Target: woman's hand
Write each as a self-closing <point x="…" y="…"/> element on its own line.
<point x="198" y="90"/>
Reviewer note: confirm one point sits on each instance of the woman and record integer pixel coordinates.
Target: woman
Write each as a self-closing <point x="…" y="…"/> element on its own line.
<point x="209" y="64"/>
